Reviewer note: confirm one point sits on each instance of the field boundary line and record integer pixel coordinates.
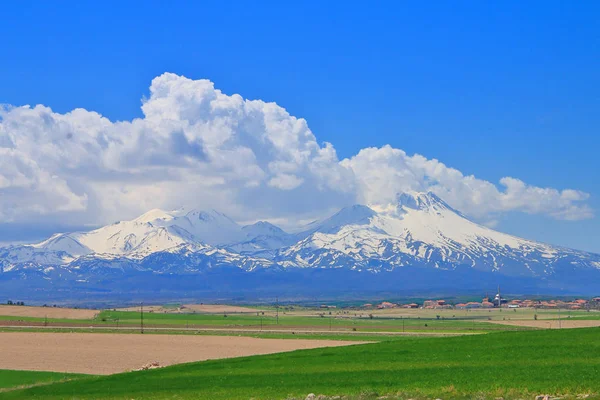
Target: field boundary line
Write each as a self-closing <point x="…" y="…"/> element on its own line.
<point x="252" y="331"/>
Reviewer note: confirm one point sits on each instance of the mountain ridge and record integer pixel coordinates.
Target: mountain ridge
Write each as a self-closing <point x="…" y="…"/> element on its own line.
<point x="418" y="231"/>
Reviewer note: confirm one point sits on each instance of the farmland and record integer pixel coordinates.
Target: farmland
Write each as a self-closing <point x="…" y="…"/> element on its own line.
<point x="412" y="353"/>
<point x="112" y="353"/>
<point x="47" y="312"/>
<point x="501" y="364"/>
<point x="302" y="319"/>
<point x="10" y="379"/>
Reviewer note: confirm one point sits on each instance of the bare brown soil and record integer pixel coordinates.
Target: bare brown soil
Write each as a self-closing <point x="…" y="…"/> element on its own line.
<point x="216" y="308"/>
<point x="200" y="308"/>
<point x="50" y="312"/>
<point x="105" y="353"/>
<point x="147" y="309"/>
<point x="553" y="324"/>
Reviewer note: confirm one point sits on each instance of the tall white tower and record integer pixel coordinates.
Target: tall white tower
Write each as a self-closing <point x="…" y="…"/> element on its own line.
<point x="498" y="298"/>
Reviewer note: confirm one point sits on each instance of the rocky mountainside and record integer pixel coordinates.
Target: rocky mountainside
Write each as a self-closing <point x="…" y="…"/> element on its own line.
<point x="418" y="243"/>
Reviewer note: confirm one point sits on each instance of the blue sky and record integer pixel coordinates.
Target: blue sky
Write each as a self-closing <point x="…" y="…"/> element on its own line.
<point x="492" y="89"/>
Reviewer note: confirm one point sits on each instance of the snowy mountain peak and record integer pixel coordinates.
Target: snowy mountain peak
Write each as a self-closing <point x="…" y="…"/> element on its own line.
<point x="262" y="228"/>
<point x="418" y="230"/>
<point x="262" y="236"/>
<point x="422" y="201"/>
<point x="352" y="215"/>
<point x="210" y="215"/>
<point x="61" y="242"/>
<point x="211" y="227"/>
<point x="153" y="215"/>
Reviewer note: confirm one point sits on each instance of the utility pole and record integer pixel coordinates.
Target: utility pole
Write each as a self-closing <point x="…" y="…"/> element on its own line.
<point x="559" y="322"/>
<point x="587" y="306"/>
<point x="499" y="298"/>
<point x="277" y="308"/>
<point x="142" y="317"/>
<point x="402" y="325"/>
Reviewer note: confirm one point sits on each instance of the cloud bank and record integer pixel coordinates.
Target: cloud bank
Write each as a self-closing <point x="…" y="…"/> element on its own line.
<point x="197" y="147"/>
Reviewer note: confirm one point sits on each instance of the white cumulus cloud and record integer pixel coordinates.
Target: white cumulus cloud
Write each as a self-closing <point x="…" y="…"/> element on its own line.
<point x="198" y="147"/>
<point x="383" y="172"/>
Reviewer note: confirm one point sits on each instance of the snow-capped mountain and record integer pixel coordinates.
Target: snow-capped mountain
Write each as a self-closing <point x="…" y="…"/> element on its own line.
<point x="262" y="237"/>
<point x="422" y="229"/>
<point x="420" y="233"/>
<point x="152" y="232"/>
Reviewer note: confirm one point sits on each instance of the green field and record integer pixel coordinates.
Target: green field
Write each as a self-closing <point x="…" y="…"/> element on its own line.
<point x="284" y="321"/>
<point x="502" y="364"/>
<point x="14" y="379"/>
<point x="303" y="318"/>
<point x="442" y="321"/>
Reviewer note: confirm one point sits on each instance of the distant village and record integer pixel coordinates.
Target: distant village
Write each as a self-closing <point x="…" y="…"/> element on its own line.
<point x="496" y="302"/>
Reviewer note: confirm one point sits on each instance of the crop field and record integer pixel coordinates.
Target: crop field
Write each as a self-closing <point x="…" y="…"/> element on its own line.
<point x="47" y="312"/>
<point x="221" y="319"/>
<point x="401" y="360"/>
<point x="10" y="379"/>
<point x="552" y="324"/>
<point x="202" y="308"/>
<point x="563" y="363"/>
<point x="111" y="353"/>
<point x="298" y="322"/>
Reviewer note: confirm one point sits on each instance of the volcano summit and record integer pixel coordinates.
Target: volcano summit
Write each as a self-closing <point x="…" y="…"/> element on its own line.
<point x="419" y="243"/>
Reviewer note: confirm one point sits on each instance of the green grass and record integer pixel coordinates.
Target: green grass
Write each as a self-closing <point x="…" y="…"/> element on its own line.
<point x="245" y="320"/>
<point x="503" y="364"/>
<point x="378" y="323"/>
<point x="12" y="379"/>
<point x="418" y="321"/>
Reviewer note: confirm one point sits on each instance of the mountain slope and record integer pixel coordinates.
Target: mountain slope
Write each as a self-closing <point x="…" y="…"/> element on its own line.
<point x="421" y="229"/>
<point x="152" y="232"/>
<point x="262" y="237"/>
<point x="416" y="238"/>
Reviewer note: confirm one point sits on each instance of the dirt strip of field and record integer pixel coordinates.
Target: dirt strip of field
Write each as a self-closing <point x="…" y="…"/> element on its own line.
<point x="50" y="312"/>
<point x="148" y="309"/>
<point x="550" y="324"/>
<point x="216" y="308"/>
<point x="200" y="308"/>
<point x="105" y="353"/>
